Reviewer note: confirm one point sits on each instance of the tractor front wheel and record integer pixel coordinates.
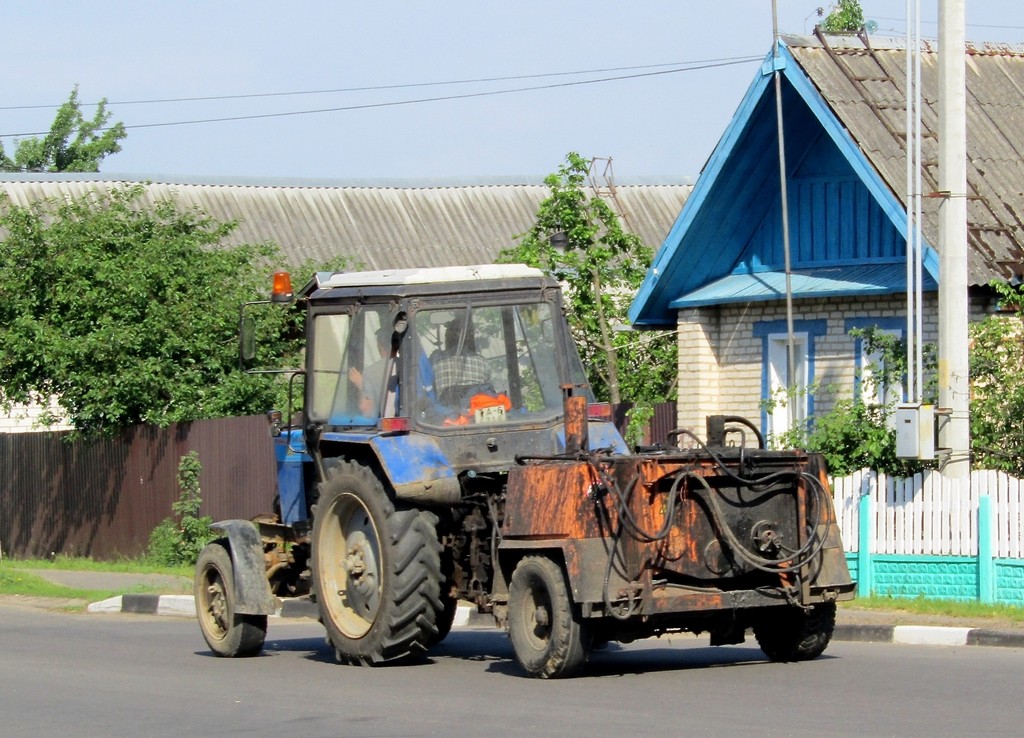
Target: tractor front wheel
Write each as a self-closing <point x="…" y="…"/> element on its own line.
<point x="226" y="632"/>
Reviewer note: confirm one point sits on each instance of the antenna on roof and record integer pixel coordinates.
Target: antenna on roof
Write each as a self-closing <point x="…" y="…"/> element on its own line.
<point x="608" y="190"/>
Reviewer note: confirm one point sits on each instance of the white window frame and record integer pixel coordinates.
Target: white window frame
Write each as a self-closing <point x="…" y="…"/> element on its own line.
<point x="787" y="412"/>
<point x="886" y="394"/>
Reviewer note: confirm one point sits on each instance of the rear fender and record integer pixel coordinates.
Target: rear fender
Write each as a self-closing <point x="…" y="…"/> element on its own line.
<point x="252" y="590"/>
<point x="563" y="553"/>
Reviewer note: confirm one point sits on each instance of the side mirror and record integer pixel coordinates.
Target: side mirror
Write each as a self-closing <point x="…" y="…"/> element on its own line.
<point x="246" y="341"/>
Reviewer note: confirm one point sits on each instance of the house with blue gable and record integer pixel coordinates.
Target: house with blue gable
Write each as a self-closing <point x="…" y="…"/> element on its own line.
<point x="719" y="278"/>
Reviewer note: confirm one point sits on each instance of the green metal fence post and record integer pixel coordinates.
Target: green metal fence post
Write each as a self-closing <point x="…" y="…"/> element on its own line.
<point x="986" y="588"/>
<point x="864" y="583"/>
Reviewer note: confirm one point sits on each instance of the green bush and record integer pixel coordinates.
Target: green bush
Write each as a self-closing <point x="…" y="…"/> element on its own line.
<point x="177" y="540"/>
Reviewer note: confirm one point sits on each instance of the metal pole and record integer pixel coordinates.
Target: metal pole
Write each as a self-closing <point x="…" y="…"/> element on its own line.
<point x="911" y="62"/>
<point x="953" y="308"/>
<point x="784" y="201"/>
<point x="918" y="202"/>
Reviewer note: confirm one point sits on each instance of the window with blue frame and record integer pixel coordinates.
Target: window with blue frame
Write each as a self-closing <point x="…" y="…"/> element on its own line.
<point x="870" y="383"/>
<point x="787" y="399"/>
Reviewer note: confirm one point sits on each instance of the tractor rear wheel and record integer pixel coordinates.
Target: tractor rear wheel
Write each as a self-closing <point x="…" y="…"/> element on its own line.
<point x="226" y="632"/>
<point x="790" y="633"/>
<point x="376" y="569"/>
<point x="548" y="639"/>
<point x="449" y="600"/>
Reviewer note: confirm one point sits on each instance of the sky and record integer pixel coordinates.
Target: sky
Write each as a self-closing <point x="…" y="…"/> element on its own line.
<point x="447" y="90"/>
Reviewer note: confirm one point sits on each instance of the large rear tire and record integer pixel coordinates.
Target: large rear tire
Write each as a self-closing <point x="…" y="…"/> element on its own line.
<point x="790" y="633"/>
<point x="376" y="570"/>
<point x="449" y="600"/>
<point x="226" y="632"/>
<point x="549" y="641"/>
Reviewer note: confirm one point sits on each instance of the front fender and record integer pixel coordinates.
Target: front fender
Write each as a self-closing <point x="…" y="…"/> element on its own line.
<point x="413" y="464"/>
<point x="249" y="573"/>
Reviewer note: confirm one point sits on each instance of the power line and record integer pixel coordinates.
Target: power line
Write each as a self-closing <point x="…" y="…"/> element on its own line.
<point x="372" y="88"/>
<point x="969" y="25"/>
<point x="394" y="103"/>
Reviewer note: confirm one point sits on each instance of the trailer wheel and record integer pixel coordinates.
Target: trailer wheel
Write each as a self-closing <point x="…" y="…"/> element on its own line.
<point x="795" y="634"/>
<point x="548" y="640"/>
<point x="376" y="570"/>
<point x="226" y="632"/>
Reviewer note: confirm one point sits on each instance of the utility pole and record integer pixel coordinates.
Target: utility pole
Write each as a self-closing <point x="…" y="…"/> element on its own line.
<point x="954" y="387"/>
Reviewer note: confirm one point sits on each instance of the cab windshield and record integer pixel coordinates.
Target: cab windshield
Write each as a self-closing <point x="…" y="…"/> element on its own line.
<point x="486" y="365"/>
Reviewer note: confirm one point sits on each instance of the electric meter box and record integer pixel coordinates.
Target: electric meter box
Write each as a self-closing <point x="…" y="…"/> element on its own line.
<point x="915" y="431"/>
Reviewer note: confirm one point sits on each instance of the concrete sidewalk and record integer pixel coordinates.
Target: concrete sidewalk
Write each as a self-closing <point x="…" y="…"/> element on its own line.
<point x="851" y="624"/>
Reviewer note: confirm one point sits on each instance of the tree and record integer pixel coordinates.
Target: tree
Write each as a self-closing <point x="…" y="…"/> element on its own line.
<point x="997" y="385"/>
<point x="129" y="315"/>
<point x="845" y="16"/>
<point x="73" y="144"/>
<point x="602" y="266"/>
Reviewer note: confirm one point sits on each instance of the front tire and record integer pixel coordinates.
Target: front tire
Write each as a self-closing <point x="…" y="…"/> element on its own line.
<point x="376" y="570"/>
<point x="790" y="633"/>
<point x="549" y="641"/>
<point x="226" y="632"/>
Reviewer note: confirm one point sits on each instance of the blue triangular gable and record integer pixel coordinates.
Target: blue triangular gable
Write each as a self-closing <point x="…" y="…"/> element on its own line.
<point x="841" y="213"/>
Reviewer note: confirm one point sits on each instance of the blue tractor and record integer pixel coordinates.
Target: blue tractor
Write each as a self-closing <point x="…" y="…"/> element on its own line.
<point x="448" y="450"/>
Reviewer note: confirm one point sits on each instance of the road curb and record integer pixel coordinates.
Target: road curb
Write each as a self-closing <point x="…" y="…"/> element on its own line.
<point x="927" y="635"/>
<point x="467" y="616"/>
<point x="143" y="604"/>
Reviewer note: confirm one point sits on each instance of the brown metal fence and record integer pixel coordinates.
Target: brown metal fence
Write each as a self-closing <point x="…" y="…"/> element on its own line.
<point x="103" y="498"/>
<point x="661" y="424"/>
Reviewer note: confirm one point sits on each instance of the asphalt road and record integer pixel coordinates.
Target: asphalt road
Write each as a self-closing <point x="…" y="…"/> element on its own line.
<point x="120" y="675"/>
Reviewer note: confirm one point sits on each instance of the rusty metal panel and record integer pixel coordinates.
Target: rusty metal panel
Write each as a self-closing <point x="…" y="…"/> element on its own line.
<point x="577" y="435"/>
<point x="102" y="498"/>
<point x="682" y="519"/>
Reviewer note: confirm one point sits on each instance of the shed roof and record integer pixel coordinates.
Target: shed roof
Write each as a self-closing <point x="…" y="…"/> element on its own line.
<point x="388" y="225"/>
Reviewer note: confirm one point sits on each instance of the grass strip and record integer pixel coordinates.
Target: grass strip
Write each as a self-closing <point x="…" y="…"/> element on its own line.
<point x="17" y="582"/>
<point x="947" y="608"/>
<point x="79" y="563"/>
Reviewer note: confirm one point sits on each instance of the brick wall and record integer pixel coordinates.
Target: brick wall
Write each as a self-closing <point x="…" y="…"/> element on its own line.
<point x="24" y="419"/>
<point x="720" y="358"/>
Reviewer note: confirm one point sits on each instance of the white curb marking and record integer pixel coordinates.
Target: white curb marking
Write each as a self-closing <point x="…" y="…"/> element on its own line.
<point x="111" y="605"/>
<point x="930" y="635"/>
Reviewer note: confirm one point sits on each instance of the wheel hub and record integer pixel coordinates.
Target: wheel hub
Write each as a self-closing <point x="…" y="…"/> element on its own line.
<point x="362" y="582"/>
<point x="217" y="604"/>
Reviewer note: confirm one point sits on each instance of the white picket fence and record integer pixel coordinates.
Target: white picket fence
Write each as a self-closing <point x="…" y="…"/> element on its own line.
<point x="929" y="514"/>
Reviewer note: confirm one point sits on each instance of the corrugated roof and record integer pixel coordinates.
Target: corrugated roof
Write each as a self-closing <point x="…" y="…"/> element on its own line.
<point x="863" y="82"/>
<point x="378" y="227"/>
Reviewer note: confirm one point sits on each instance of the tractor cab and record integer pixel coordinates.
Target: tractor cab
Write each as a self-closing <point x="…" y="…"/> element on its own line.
<point x="436" y="373"/>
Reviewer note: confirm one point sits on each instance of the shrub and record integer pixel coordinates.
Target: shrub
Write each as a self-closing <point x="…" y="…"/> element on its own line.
<point x="177" y="540"/>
